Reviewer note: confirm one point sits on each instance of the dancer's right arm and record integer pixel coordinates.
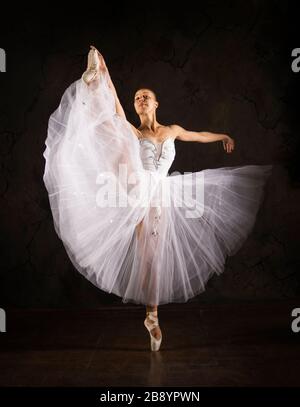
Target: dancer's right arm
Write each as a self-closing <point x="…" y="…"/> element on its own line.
<point x="119" y="107"/>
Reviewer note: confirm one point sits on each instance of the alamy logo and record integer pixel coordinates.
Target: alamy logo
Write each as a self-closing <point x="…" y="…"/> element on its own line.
<point x="2" y="320"/>
<point x="296" y="62"/>
<point x="296" y="322"/>
<point x="2" y="60"/>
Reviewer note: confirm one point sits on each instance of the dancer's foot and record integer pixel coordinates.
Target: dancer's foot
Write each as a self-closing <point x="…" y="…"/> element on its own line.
<point x="93" y="66"/>
<point x="151" y="323"/>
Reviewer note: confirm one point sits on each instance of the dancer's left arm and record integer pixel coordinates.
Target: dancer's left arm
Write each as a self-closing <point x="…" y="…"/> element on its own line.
<point x="203" y="137"/>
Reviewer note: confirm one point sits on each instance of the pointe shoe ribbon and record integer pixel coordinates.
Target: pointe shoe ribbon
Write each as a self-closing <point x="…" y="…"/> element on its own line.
<point x="151" y="322"/>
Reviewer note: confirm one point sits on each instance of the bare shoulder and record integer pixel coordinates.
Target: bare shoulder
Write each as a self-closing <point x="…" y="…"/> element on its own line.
<point x="175" y="130"/>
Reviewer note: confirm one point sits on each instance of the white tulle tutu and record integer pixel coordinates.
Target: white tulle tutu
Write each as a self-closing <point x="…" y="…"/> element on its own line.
<point x="99" y="190"/>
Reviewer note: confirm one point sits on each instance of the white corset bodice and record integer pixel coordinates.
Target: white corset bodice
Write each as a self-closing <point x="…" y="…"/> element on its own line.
<point x="157" y="157"/>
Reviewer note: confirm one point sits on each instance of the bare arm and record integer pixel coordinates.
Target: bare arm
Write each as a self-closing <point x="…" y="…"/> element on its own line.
<point x="119" y="107"/>
<point x="203" y="137"/>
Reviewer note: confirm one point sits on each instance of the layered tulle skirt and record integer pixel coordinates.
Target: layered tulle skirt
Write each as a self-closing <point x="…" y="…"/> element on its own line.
<point x="144" y="236"/>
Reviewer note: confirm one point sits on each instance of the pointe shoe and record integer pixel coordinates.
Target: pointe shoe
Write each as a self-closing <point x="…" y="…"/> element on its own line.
<point x="92" y="66"/>
<point x="151" y="322"/>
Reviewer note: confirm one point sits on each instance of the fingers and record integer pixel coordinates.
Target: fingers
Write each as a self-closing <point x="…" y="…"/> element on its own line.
<point x="225" y="145"/>
<point x="102" y="59"/>
<point x="228" y="147"/>
<point x="232" y="146"/>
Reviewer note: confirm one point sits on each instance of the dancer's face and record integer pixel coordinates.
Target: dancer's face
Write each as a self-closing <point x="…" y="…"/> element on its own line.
<point x="145" y="101"/>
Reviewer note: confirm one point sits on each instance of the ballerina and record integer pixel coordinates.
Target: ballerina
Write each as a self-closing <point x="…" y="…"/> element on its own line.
<point x="148" y="254"/>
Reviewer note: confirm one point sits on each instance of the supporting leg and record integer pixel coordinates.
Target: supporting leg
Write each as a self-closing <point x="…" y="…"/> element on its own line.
<point x="152" y="315"/>
<point x="151" y="320"/>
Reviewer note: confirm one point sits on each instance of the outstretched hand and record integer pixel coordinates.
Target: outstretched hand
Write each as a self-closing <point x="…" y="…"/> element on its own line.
<point x="228" y="144"/>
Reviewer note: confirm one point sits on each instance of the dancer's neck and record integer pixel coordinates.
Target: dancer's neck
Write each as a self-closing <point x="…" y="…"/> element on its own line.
<point x="149" y="122"/>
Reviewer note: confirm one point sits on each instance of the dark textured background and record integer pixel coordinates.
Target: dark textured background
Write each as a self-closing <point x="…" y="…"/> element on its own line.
<point x="222" y="67"/>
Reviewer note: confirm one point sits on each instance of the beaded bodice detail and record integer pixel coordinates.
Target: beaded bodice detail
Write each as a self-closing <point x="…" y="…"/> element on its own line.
<point x="157" y="156"/>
